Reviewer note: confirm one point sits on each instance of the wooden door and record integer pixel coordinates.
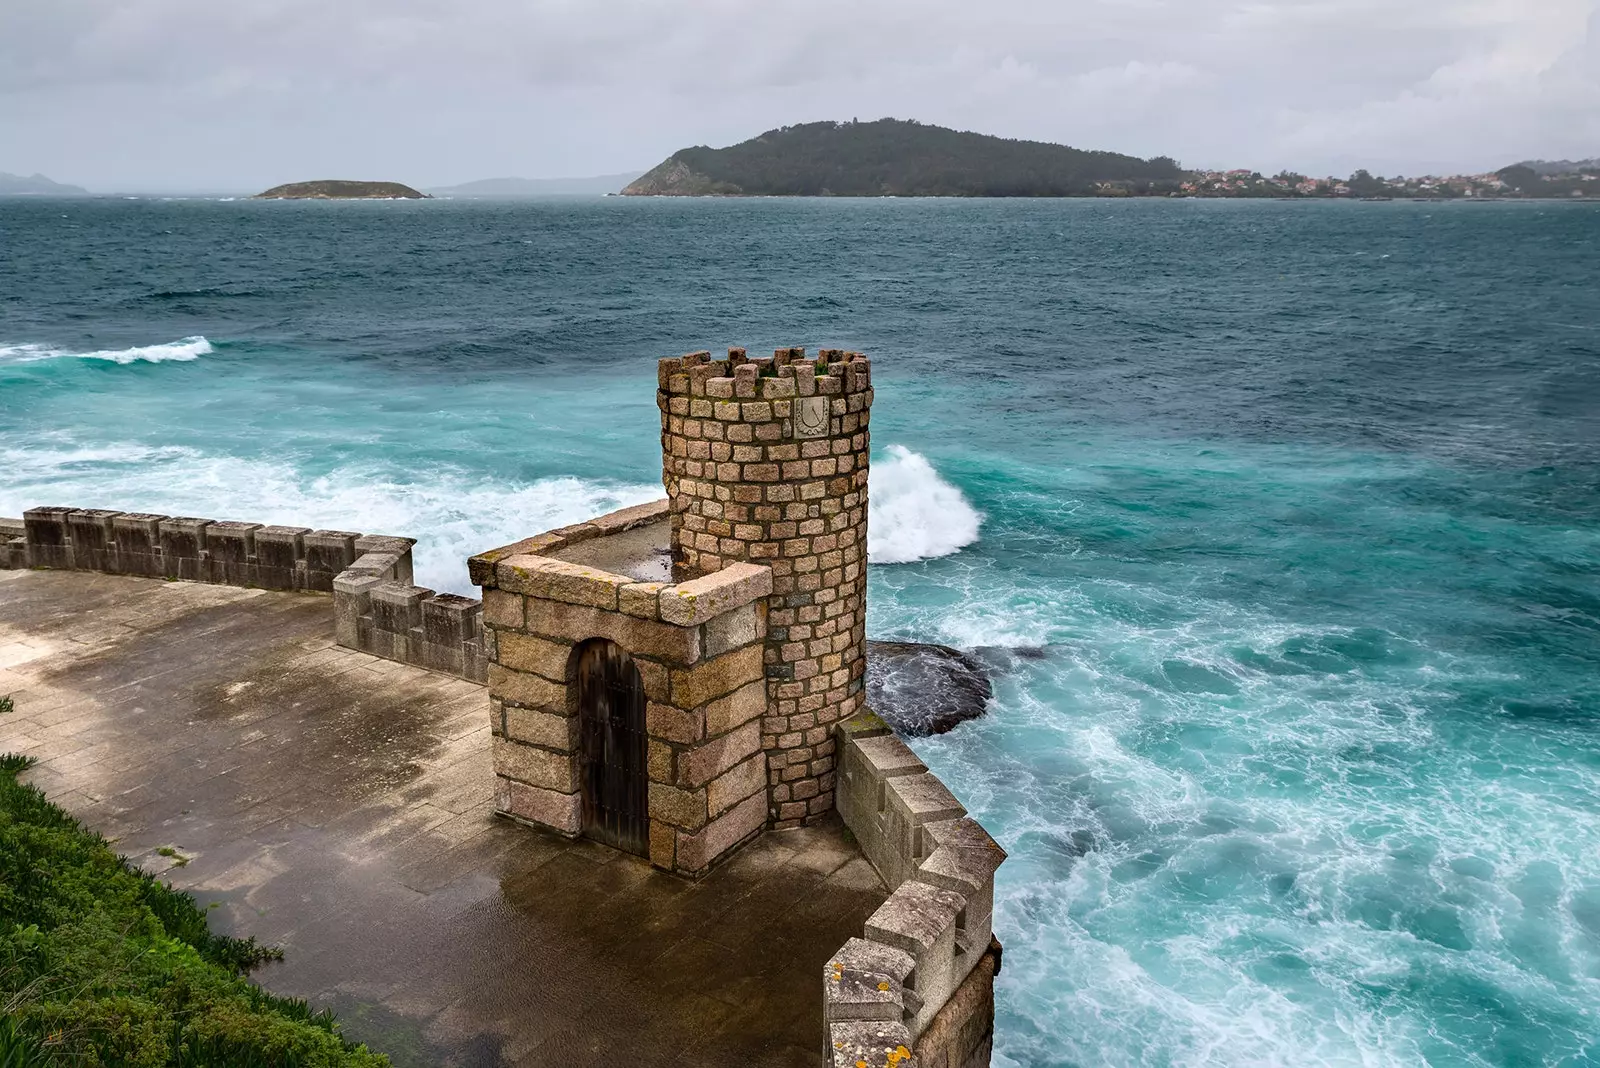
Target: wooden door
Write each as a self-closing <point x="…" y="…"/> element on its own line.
<point x="612" y="748"/>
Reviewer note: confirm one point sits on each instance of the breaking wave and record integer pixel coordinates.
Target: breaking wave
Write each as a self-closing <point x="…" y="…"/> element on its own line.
<point x="915" y="514"/>
<point x="452" y="513"/>
<point x="182" y="350"/>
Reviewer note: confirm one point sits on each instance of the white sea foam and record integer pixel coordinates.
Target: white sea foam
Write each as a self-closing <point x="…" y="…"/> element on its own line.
<point x="915" y="514"/>
<point x="182" y="350"/>
<point x="452" y="513"/>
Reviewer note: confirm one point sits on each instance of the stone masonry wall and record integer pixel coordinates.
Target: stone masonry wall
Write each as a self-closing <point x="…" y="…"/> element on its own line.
<point x="698" y="647"/>
<point x="765" y="461"/>
<point x="918" y="987"/>
<point x="376" y="608"/>
<point x="377" y="612"/>
<point x="198" y="550"/>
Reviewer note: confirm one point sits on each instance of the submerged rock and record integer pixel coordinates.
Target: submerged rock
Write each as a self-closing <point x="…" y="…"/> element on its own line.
<point x="925" y="689"/>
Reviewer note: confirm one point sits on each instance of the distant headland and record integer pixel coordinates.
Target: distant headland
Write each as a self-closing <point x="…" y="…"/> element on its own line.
<point x="905" y="158"/>
<point x="893" y="157"/>
<point x="18" y="185"/>
<point x="338" y="190"/>
<point x="506" y="188"/>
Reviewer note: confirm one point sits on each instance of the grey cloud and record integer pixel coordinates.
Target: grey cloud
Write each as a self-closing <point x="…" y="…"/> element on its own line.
<point x="191" y="93"/>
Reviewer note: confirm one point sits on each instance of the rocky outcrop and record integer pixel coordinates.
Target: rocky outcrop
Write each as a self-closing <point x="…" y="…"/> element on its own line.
<point x="925" y="689"/>
<point x="340" y="190"/>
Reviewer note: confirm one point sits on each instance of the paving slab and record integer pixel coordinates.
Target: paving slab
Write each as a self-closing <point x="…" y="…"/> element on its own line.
<point x="341" y="807"/>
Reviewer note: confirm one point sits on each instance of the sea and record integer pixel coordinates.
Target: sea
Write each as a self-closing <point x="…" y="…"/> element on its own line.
<point x="1277" y="522"/>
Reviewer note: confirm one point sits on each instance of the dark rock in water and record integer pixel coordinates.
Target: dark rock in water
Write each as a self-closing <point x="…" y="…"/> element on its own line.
<point x="1005" y="658"/>
<point x="925" y="689"/>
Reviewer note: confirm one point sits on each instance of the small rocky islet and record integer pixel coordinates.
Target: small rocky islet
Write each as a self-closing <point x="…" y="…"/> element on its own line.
<point x="341" y="190"/>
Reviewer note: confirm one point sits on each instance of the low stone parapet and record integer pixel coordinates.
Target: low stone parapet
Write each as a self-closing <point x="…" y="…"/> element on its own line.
<point x="927" y="961"/>
<point x="376" y="608"/>
<point x="13" y="544"/>
<point x="228" y="553"/>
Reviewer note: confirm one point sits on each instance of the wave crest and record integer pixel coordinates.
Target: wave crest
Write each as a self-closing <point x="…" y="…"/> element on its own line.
<point x="182" y="350"/>
<point x="913" y="513"/>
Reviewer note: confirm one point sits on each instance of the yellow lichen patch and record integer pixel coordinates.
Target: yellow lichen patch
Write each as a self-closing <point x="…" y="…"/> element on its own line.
<point x="884" y="987"/>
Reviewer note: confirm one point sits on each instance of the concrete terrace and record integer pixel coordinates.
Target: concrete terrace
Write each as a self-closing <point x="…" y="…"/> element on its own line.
<point x="340" y="805"/>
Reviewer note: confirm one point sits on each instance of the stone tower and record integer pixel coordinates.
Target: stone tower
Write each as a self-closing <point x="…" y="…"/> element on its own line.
<point x="765" y="462"/>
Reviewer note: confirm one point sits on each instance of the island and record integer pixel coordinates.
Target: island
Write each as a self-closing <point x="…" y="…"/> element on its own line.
<point x="341" y="190"/>
<point x="894" y="157"/>
<point x="906" y="158"/>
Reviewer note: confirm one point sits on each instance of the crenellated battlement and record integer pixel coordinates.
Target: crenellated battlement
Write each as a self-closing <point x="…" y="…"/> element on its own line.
<point x="784" y="375"/>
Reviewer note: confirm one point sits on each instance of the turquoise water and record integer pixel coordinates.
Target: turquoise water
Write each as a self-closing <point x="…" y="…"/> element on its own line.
<point x="1283" y="518"/>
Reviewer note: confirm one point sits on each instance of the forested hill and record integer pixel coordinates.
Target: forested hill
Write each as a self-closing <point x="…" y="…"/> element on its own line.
<point x="891" y="157"/>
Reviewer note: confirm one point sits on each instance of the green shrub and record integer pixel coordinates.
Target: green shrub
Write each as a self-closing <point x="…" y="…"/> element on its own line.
<point x="6" y="706"/>
<point x="17" y="1050"/>
<point x="101" y="964"/>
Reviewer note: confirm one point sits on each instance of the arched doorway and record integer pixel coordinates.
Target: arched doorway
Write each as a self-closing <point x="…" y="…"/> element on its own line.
<point x="611" y="746"/>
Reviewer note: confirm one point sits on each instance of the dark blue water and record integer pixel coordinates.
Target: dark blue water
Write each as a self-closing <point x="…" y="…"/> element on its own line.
<point x="1284" y="519"/>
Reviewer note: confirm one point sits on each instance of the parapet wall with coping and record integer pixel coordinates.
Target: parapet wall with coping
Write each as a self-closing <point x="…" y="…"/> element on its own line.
<point x="918" y="986"/>
<point x="697" y="646"/>
<point x="376" y="607"/>
<point x="377" y="612"/>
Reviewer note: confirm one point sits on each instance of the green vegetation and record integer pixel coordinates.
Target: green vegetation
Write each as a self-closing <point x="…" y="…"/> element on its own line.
<point x="1540" y="179"/>
<point x="103" y="965"/>
<point x="5" y="707"/>
<point x="891" y="157"/>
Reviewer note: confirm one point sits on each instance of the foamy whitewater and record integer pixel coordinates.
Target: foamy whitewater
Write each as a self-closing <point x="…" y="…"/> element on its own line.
<point x="452" y="516"/>
<point x="913" y="513"/>
<point x="189" y="348"/>
<point x="1279" y="523"/>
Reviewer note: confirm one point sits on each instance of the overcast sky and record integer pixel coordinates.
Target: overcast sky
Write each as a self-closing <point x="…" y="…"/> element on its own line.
<point x="242" y="94"/>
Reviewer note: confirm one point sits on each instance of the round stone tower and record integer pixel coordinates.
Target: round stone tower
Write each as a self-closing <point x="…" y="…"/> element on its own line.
<point x="765" y="462"/>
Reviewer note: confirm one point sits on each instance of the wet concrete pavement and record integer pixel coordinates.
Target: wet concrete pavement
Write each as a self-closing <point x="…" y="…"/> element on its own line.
<point x="340" y="806"/>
